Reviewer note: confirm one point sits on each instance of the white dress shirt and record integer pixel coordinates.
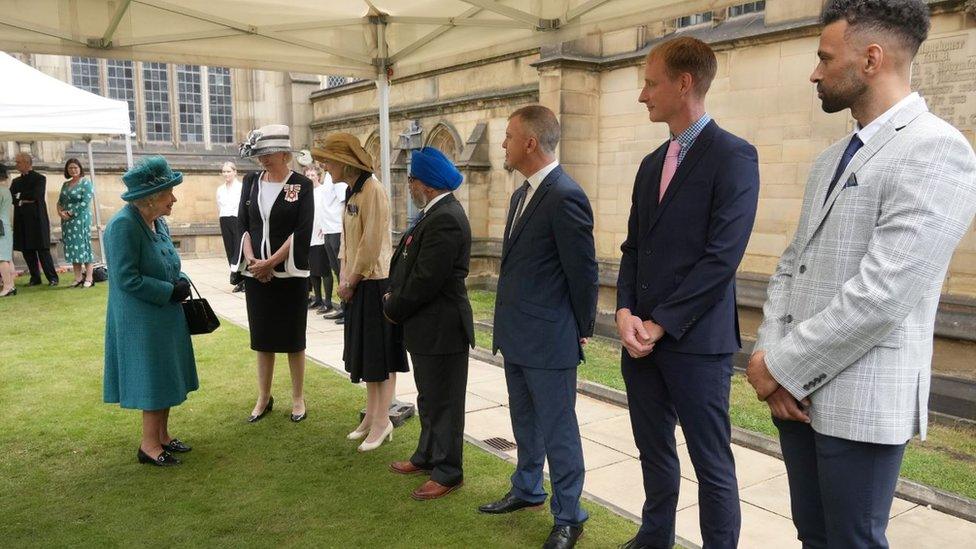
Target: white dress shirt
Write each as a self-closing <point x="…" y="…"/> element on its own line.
<point x="229" y="198"/>
<point x="873" y="127"/>
<point x="534" y="181"/>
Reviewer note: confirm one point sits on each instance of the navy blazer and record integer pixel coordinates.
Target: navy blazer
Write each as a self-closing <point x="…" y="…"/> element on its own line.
<point x="547" y="283"/>
<point x="680" y="256"/>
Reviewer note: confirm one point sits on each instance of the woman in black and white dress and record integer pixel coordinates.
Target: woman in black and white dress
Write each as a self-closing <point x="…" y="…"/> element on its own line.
<point x="276" y="214"/>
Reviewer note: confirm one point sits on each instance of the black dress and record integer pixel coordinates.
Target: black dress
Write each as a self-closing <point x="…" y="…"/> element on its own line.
<point x="277" y="310"/>
<point x="373" y="345"/>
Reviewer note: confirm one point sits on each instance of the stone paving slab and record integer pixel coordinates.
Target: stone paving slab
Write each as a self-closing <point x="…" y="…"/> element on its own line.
<point x="613" y="471"/>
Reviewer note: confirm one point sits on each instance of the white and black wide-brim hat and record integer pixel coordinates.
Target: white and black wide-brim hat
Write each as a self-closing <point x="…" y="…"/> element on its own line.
<point x="270" y="139"/>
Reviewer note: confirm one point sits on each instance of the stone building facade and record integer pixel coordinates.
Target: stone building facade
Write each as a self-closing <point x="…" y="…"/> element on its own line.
<point x="762" y="93"/>
<point x="194" y="116"/>
<point x="766" y="52"/>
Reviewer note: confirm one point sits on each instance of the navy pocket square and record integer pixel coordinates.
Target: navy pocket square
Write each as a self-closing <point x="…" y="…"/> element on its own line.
<point x="851" y="181"/>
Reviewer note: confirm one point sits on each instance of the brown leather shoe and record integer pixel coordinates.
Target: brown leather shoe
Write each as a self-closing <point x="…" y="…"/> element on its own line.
<point x="407" y="468"/>
<point x="433" y="490"/>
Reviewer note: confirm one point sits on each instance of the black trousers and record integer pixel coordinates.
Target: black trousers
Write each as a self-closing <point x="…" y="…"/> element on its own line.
<point x="441" y="384"/>
<point x="332" y="253"/>
<point x="665" y="387"/>
<point x="231" y="231"/>
<point x="37" y="260"/>
<point x="840" y="490"/>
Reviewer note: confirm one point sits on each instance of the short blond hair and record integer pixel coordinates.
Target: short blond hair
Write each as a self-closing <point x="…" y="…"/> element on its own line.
<point x="690" y="55"/>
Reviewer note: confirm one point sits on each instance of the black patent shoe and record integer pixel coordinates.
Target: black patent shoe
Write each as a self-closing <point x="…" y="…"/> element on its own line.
<point x="176" y="445"/>
<point x="563" y="537"/>
<point x="165" y="459"/>
<point x="299" y="417"/>
<point x="507" y="504"/>
<point x="267" y="408"/>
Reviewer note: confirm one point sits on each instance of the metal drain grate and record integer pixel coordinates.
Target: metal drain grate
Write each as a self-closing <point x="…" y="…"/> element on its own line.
<point x="500" y="444"/>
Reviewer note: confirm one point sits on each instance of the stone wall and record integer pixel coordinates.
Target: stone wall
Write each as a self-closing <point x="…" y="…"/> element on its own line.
<point x="762" y="93"/>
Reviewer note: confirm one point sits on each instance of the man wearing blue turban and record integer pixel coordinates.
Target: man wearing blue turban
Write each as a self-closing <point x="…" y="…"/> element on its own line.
<point x="428" y="297"/>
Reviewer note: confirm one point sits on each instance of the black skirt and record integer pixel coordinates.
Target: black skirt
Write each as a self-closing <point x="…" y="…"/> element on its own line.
<point x="277" y="313"/>
<point x="373" y="345"/>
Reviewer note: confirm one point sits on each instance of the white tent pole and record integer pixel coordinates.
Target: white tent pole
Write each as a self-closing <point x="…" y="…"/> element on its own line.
<point x="128" y="151"/>
<point x="383" y="90"/>
<point x="98" y="215"/>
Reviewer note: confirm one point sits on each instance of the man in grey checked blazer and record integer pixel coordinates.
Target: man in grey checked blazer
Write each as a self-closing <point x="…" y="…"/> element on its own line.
<point x="843" y="357"/>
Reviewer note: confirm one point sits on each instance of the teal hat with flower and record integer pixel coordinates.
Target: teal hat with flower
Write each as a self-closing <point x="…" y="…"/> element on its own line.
<point x="149" y="177"/>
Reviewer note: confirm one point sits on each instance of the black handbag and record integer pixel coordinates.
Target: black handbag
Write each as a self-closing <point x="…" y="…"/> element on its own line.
<point x="200" y="318"/>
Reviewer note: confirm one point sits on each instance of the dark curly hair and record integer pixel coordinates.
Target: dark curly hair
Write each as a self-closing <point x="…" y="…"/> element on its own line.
<point x="906" y="19"/>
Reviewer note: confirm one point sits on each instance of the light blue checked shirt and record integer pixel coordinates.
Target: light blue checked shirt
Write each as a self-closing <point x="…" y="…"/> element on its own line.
<point x="687" y="138"/>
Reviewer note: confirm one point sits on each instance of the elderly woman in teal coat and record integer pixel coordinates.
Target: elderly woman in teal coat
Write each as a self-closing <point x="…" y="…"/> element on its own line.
<point x="149" y="362"/>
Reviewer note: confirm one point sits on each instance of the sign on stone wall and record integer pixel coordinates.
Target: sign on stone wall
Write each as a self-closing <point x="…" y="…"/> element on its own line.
<point x="944" y="73"/>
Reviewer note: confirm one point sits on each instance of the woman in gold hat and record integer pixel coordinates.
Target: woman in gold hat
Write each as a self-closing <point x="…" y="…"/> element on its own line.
<point x="374" y="350"/>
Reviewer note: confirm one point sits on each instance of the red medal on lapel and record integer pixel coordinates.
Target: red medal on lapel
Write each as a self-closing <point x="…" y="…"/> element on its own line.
<point x="291" y="192"/>
<point x="409" y="239"/>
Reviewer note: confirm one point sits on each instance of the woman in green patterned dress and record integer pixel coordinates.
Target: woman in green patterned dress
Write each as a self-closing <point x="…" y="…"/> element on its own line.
<point x="74" y="208"/>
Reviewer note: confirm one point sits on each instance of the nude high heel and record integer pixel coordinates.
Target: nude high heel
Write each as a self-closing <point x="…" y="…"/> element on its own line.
<point x="387" y="436"/>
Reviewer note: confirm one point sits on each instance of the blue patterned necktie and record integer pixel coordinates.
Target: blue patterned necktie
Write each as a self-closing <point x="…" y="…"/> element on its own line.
<point x="852" y="147"/>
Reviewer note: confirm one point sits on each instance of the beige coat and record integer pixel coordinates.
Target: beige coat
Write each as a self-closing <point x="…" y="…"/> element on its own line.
<point x="365" y="245"/>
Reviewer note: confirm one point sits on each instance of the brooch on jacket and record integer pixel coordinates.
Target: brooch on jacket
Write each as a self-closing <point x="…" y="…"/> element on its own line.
<point x="291" y="191"/>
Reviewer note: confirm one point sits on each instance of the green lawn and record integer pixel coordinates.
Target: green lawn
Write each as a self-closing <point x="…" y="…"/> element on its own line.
<point x="68" y="474"/>
<point x="946" y="460"/>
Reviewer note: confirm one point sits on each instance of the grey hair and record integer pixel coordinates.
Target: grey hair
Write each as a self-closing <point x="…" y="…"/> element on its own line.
<point x="229" y="163"/>
<point x="147" y="201"/>
<point x="541" y="123"/>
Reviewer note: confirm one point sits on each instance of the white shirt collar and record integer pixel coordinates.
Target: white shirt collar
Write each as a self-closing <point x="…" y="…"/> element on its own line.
<point x="867" y="132"/>
<point x="434" y="201"/>
<point x="536" y="179"/>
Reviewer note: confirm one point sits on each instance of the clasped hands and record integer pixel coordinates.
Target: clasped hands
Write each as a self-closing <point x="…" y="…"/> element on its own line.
<point x="782" y="404"/>
<point x="638" y="336"/>
<point x="261" y="269"/>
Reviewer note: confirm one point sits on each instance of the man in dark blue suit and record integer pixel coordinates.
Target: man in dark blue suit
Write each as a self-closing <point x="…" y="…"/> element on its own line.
<point x="693" y="207"/>
<point x="544" y="310"/>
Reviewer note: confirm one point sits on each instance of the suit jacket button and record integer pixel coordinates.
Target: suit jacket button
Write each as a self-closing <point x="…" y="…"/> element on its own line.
<point x="788" y="319"/>
<point x="643" y="286"/>
<point x="647" y="252"/>
<point x="803" y="269"/>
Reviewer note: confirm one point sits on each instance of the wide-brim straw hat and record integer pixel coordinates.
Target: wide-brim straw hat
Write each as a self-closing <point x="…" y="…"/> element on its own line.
<point x="149" y="177"/>
<point x="344" y="148"/>
<point x="270" y="139"/>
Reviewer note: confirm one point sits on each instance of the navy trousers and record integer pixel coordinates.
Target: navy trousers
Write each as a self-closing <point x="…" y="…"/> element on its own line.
<point x="840" y="490"/>
<point x="542" y="403"/>
<point x="663" y="388"/>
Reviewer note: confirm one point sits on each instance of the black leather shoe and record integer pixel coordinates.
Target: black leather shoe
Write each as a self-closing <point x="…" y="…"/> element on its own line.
<point x="176" y="445"/>
<point x="507" y="504"/>
<point x="53" y="283"/>
<point x="315" y="304"/>
<point x="34" y="283"/>
<point x="267" y="408"/>
<point x="238" y="288"/>
<point x="333" y="314"/>
<point x="165" y="459"/>
<point x="299" y="417"/>
<point x="634" y="544"/>
<point x="341" y="320"/>
<point x="563" y="537"/>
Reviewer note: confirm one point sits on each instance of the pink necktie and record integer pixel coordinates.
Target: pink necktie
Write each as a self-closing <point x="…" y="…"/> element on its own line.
<point x="670" y="166"/>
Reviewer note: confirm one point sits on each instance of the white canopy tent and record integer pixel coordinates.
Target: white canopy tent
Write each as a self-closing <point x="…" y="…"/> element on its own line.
<point x="38" y="107"/>
<point x="376" y="39"/>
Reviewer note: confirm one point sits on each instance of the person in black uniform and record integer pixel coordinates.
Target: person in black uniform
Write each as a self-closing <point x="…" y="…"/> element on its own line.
<point x="428" y="297"/>
<point x="32" y="228"/>
<point x="275" y="217"/>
